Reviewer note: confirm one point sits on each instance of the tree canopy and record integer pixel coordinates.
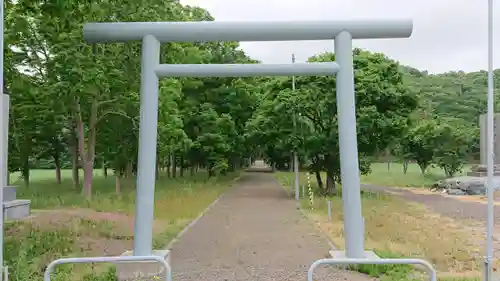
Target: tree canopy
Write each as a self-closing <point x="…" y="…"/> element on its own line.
<point x="76" y="105"/>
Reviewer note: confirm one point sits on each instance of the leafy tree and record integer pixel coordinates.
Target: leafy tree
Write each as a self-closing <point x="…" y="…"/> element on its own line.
<point x="420" y="142"/>
<point x="453" y="147"/>
<point x="383" y="104"/>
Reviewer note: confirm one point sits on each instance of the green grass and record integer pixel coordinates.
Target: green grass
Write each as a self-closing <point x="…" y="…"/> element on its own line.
<point x="393" y="175"/>
<point x="397" y="228"/>
<point x="30" y="246"/>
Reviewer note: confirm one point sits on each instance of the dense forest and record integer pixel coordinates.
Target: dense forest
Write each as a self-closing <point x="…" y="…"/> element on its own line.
<point x="76" y="106"/>
<point x="458" y="95"/>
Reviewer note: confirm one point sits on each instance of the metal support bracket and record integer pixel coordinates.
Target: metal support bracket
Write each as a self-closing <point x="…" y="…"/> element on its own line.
<point x="430" y="269"/>
<point x="53" y="264"/>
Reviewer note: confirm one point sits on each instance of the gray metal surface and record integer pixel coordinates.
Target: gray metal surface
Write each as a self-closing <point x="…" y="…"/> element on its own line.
<point x="52" y="265"/>
<point x="348" y="147"/>
<point x="246" y="70"/>
<point x="490" y="150"/>
<point x="146" y="178"/>
<point x="295" y="156"/>
<point x="245" y="31"/>
<point x="430" y="269"/>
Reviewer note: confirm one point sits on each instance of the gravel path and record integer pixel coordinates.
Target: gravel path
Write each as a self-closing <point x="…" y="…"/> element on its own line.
<point x="255" y="232"/>
<point x="443" y="205"/>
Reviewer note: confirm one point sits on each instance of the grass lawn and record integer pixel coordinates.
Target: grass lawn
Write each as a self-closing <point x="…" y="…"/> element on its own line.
<point x="64" y="224"/>
<point x="393" y="175"/>
<point x="397" y="228"/>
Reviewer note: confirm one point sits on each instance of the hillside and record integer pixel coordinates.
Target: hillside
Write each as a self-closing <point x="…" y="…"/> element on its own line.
<point x="458" y="95"/>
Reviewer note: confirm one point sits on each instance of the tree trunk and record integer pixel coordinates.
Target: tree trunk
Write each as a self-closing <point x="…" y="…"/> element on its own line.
<point x="422" y="166"/>
<point x="57" y="163"/>
<point x="87" y="179"/>
<point x="118" y="182"/>
<point x="388" y="158"/>
<point x="87" y="156"/>
<point x="129" y="170"/>
<point x="74" y="163"/>
<point x="75" y="172"/>
<point x="331" y="188"/>
<point x="157" y="168"/>
<point x="317" y="171"/>
<point x="174" y="166"/>
<point x="291" y="163"/>
<point x="169" y="162"/>
<point x="319" y="180"/>
<point x="211" y="171"/>
<point x="181" y="172"/>
<point x="25" y="153"/>
<point x="25" y="172"/>
<point x="405" y="166"/>
<point x="104" y="170"/>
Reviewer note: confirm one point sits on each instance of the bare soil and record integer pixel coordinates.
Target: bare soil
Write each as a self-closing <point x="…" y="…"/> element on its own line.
<point x="255" y="232"/>
<point x="100" y="233"/>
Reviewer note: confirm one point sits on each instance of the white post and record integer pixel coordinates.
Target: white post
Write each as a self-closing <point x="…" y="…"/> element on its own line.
<point x="490" y="146"/>
<point x="5" y="112"/>
<point x="295" y="157"/>
<point x="329" y="210"/>
<point x="3" y="154"/>
<point x="348" y="146"/>
<point x="146" y="166"/>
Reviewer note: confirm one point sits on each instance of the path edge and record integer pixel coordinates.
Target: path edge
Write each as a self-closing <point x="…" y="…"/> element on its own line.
<point x="310" y="221"/>
<point x="172" y="242"/>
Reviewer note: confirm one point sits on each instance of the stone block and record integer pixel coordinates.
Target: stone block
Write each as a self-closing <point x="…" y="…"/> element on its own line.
<point x="341" y="255"/>
<point x="9" y="193"/>
<point x="16" y="209"/>
<point x="482" y="174"/>
<point x="142" y="270"/>
<point x="335" y="254"/>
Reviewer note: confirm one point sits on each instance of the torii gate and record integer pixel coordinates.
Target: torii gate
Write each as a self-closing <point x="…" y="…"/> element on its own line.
<point x="342" y="32"/>
<point x="153" y="33"/>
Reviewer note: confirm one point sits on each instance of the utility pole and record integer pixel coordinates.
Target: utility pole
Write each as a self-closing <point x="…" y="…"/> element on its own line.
<point x="488" y="261"/>
<point x="3" y="144"/>
<point x="295" y="157"/>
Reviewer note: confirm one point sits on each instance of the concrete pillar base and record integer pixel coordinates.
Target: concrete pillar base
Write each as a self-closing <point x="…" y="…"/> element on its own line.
<point x="142" y="270"/>
<point x="335" y="254"/>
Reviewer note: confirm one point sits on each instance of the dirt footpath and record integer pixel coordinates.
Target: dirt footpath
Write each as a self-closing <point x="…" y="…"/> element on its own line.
<point x="255" y="232"/>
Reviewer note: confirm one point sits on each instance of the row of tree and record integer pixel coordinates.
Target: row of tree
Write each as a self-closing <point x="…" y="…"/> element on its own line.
<point x="77" y="105"/>
<point x="402" y="114"/>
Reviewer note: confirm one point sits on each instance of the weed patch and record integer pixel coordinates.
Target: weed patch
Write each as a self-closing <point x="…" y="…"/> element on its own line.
<point x="63" y="224"/>
<point x="397" y="228"/>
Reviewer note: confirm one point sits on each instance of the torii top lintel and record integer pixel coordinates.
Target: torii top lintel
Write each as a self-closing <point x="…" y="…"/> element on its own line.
<point x="207" y="31"/>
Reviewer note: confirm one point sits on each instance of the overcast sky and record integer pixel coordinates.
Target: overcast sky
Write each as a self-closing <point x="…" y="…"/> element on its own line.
<point x="448" y="34"/>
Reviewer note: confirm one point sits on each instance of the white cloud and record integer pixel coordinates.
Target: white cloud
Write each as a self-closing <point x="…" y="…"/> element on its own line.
<point x="448" y="34"/>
